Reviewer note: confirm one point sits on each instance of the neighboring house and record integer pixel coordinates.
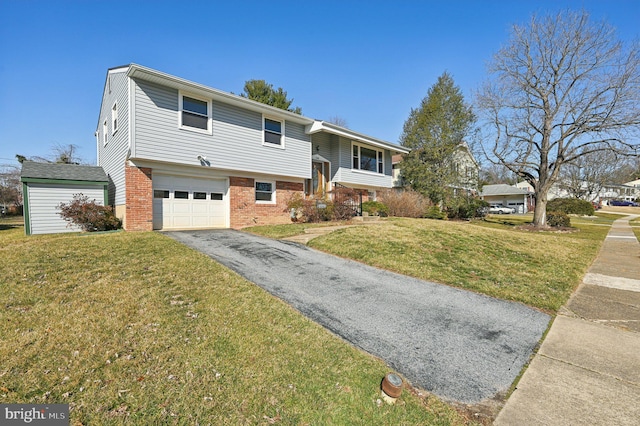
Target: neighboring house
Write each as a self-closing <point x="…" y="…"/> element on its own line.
<point x="183" y="155"/>
<point x="507" y="195"/>
<point x="46" y="185"/>
<point x="466" y="166"/>
<point x="554" y="192"/>
<point x="629" y="191"/>
<point x="613" y="191"/>
<point x="635" y="191"/>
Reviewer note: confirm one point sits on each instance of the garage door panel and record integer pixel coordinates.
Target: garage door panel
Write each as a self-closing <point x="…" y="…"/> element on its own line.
<point x="199" y="210"/>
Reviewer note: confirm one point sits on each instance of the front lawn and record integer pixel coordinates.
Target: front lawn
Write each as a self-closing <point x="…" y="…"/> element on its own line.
<point x="540" y="269"/>
<point x="136" y="328"/>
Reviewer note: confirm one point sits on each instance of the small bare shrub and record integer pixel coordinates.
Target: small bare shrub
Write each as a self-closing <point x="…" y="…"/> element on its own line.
<point x="88" y="215"/>
<point x="405" y="203"/>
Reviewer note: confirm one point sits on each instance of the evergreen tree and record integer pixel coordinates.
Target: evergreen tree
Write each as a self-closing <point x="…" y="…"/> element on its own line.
<point x="433" y="132"/>
<point x="261" y="91"/>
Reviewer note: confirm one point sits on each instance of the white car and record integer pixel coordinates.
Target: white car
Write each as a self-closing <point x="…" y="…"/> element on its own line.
<point x="500" y="209"/>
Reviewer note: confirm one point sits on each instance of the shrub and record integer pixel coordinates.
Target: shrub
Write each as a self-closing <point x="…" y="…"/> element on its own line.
<point x="434" y="212"/>
<point x="465" y="207"/>
<point x="319" y="209"/>
<point x="375" y="208"/>
<point x="558" y="220"/>
<point x="404" y="203"/>
<point x="88" y="215"/>
<point x="570" y="206"/>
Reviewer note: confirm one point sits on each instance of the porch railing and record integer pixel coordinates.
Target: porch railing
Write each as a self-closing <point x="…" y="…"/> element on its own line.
<point x="349" y="197"/>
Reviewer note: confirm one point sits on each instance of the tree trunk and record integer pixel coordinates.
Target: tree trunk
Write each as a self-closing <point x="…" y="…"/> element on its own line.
<point x="540" y="212"/>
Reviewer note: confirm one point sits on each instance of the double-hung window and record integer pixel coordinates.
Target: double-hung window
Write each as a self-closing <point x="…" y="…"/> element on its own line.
<point x="195" y="113"/>
<point x="104" y="132"/>
<point x="114" y="118"/>
<point x="367" y="159"/>
<point x="273" y="132"/>
<point x="265" y="192"/>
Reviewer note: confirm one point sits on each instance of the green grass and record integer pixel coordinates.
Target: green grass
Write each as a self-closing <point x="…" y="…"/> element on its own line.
<point x="288" y="230"/>
<point x="540" y="269"/>
<point x="135" y="328"/>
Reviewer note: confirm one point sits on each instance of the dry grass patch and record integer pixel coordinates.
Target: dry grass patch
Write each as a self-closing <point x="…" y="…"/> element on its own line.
<point x="538" y="269"/>
<point x="136" y="328"/>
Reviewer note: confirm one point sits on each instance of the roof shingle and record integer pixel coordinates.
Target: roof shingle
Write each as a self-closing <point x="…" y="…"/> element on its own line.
<point x="35" y="170"/>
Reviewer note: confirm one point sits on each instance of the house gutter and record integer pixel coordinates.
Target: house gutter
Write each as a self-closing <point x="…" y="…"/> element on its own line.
<point x="322" y="126"/>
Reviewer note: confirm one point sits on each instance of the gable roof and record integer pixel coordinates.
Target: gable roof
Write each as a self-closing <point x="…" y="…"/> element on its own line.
<point x="324" y="126"/>
<point x="56" y="171"/>
<point x="312" y="126"/>
<point x="502" y="189"/>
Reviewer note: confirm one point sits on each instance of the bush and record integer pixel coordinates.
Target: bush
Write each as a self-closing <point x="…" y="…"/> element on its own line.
<point x="570" y="206"/>
<point x="465" y="207"/>
<point x="558" y="220"/>
<point x="319" y="209"/>
<point x="434" y="212"/>
<point x="88" y="215"/>
<point x="375" y="208"/>
<point x="405" y="203"/>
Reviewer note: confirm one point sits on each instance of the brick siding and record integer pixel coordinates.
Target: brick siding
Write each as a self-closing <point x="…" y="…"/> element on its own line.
<point x="139" y="199"/>
<point x="246" y="212"/>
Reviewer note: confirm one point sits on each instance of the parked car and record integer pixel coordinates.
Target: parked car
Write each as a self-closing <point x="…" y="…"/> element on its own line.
<point x="500" y="209"/>
<point x="623" y="203"/>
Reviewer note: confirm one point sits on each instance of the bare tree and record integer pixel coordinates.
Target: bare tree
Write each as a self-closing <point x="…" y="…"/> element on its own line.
<point x="338" y="121"/>
<point x="563" y="87"/>
<point x="10" y="186"/>
<point x="67" y="154"/>
<point x="588" y="174"/>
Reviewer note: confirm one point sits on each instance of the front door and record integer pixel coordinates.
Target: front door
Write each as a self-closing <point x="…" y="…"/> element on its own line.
<point x="319" y="178"/>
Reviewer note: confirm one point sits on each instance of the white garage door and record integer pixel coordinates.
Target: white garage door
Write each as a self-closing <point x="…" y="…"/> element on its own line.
<point x="44" y="200"/>
<point x="189" y="203"/>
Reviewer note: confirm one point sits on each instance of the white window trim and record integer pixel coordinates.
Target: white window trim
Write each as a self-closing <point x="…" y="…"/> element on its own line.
<point x="114" y="118"/>
<point x="105" y="133"/>
<point x="181" y="96"/>
<point x="378" y="151"/>
<point x="273" y="193"/>
<point x="282" y="138"/>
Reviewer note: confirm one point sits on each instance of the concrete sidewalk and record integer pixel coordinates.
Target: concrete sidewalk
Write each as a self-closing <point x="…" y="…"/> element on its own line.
<point x="587" y="371"/>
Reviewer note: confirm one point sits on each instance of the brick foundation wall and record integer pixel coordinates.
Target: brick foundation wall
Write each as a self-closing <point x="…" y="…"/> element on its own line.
<point x="246" y="212"/>
<point x="139" y="199"/>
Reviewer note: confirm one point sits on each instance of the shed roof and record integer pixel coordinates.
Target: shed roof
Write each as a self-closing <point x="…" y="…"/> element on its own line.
<point x="502" y="189"/>
<point x="55" y="171"/>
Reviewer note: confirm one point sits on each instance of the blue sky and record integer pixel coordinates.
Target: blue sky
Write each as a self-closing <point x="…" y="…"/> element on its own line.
<point x="368" y="62"/>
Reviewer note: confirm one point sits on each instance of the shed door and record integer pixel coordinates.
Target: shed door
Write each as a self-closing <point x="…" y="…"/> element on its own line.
<point x="44" y="200"/>
<point x="189" y="203"/>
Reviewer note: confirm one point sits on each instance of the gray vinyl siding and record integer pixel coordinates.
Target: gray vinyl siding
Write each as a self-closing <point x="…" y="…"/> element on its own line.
<point x="347" y="176"/>
<point x="323" y="144"/>
<point x="112" y="156"/>
<point x="235" y="145"/>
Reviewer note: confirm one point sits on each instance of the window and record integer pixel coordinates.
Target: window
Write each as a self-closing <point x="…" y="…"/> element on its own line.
<point x="265" y="192"/>
<point x="114" y="118"/>
<point x="104" y="132"/>
<point x="181" y="195"/>
<point x="199" y="195"/>
<point x="216" y="196"/>
<point x="368" y="159"/>
<point x="195" y="113"/>
<point x="160" y="193"/>
<point x="273" y="132"/>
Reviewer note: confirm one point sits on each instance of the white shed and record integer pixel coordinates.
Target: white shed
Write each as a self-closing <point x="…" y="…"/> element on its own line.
<point x="46" y="185"/>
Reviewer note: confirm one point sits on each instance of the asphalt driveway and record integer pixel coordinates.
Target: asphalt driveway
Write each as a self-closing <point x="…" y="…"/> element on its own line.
<point x="459" y="345"/>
